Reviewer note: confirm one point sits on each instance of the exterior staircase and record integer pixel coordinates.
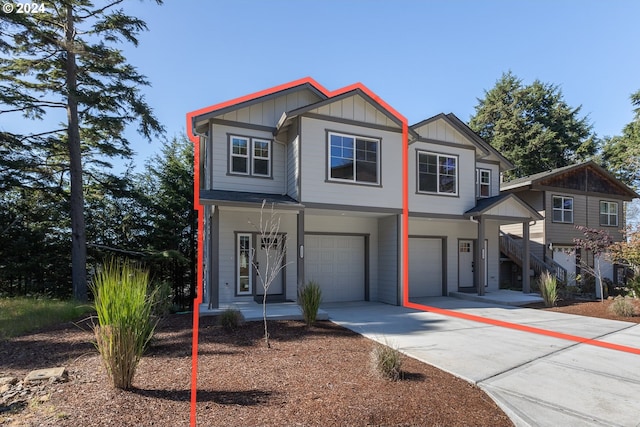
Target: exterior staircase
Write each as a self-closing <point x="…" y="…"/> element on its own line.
<point x="512" y="248"/>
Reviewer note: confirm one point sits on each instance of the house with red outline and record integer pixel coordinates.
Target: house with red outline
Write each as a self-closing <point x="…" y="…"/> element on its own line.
<point x="370" y="208"/>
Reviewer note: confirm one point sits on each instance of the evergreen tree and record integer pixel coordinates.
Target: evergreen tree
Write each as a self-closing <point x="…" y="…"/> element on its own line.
<point x="621" y="154"/>
<point x="61" y="64"/>
<point x="532" y="126"/>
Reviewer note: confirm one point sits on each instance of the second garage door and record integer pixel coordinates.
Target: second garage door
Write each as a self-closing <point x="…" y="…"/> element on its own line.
<point x="425" y="267"/>
<point x="337" y="264"/>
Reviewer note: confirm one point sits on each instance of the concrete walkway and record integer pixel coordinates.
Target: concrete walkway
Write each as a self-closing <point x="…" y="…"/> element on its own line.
<point x="537" y="380"/>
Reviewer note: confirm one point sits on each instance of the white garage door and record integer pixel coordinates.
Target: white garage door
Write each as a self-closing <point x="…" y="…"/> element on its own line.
<point x="336" y="263"/>
<point x="425" y="267"/>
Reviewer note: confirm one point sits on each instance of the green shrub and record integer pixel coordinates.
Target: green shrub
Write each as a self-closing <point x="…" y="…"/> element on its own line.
<point x="548" y="286"/>
<point x="386" y="361"/>
<point x="309" y="297"/>
<point x="162" y="301"/>
<point x="230" y="319"/>
<point x="124" y="306"/>
<point x="622" y="307"/>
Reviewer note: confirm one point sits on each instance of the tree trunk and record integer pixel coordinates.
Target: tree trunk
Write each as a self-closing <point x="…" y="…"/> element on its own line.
<point x="78" y="236"/>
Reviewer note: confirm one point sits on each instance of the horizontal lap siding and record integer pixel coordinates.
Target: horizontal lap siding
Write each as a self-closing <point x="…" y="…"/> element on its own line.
<point x="232" y="221"/>
<point x="220" y="153"/>
<point x="441" y="203"/>
<point x="315" y="187"/>
<point x="495" y="176"/>
<point x="564" y="233"/>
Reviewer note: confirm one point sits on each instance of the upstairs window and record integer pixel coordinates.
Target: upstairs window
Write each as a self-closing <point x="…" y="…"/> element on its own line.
<point x="562" y="209"/>
<point x="609" y="213"/>
<point x="483" y="182"/>
<point x="437" y="173"/>
<point x="354" y="159"/>
<point x="249" y="156"/>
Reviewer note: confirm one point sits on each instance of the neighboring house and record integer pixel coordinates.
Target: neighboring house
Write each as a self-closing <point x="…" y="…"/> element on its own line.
<point x="365" y="201"/>
<point x="581" y="194"/>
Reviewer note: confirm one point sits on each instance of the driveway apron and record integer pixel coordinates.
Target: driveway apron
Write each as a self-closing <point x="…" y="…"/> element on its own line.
<point x="536" y="379"/>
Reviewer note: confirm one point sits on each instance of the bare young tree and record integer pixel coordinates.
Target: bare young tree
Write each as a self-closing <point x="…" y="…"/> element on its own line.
<point x="596" y="244"/>
<point x="274" y="245"/>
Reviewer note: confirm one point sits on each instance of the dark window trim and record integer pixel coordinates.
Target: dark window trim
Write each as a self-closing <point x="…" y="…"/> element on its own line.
<point x="250" y="165"/>
<point x="328" y="178"/>
<point x="431" y="193"/>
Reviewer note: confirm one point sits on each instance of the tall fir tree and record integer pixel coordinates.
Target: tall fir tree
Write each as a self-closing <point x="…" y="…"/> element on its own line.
<point x="60" y="65"/>
<point x="532" y="126"/>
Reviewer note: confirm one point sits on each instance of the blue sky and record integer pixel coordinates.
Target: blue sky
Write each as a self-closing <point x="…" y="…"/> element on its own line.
<point x="422" y="57"/>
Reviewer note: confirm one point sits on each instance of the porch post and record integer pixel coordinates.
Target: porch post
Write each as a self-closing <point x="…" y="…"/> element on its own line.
<point x="526" y="279"/>
<point x="480" y="265"/>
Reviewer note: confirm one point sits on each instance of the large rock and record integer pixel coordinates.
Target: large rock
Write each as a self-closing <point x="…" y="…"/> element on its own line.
<point x="50" y="374"/>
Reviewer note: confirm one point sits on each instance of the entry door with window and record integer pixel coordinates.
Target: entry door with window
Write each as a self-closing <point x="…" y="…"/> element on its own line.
<point x="466" y="264"/>
<point x="273" y="248"/>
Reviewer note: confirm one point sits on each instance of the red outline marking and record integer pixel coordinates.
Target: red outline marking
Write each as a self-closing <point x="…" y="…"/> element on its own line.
<point x="196" y="196"/>
<point x="524" y="328"/>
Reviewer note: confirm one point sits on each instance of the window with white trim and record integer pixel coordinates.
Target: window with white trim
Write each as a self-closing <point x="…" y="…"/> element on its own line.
<point x="244" y="285"/>
<point x="437" y="173"/>
<point x="483" y="182"/>
<point x="562" y="209"/>
<point x="353" y="159"/>
<point x="608" y="213"/>
<point x="249" y="156"/>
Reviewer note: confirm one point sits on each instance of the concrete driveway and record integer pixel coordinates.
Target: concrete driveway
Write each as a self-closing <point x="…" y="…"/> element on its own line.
<point x="537" y="380"/>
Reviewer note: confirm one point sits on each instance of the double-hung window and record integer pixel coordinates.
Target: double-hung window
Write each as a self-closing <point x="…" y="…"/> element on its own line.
<point x="437" y="173"/>
<point x="354" y="159"/>
<point x="250" y="156"/>
<point x="562" y="209"/>
<point x="608" y="213"/>
<point x="483" y="182"/>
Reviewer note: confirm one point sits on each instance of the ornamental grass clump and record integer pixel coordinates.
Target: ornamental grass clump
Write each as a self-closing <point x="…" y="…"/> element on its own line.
<point x="548" y="285"/>
<point x="386" y="361"/>
<point x="622" y="307"/>
<point x="124" y="305"/>
<point x="310" y="298"/>
<point x="230" y="319"/>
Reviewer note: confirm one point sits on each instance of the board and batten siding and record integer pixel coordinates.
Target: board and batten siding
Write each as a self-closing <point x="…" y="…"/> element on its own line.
<point x="315" y="186"/>
<point x="234" y="221"/>
<point x="388" y="247"/>
<point x="222" y="180"/>
<point x="335" y="224"/>
<point x="355" y="108"/>
<point x="267" y="113"/>
<point x="443" y="203"/>
<point x="442" y="131"/>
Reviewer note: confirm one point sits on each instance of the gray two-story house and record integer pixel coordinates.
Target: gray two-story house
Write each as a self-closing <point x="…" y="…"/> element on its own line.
<point x="370" y="208"/>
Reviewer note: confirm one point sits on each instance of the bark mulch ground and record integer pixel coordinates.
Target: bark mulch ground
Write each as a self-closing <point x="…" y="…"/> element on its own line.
<point x="318" y="376"/>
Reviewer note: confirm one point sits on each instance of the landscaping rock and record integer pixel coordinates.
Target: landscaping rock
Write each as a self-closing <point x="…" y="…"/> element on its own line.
<point x="50" y="375"/>
<point x="8" y="380"/>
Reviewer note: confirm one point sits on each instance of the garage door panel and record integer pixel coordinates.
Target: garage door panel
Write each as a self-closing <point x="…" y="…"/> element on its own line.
<point x="425" y="267"/>
<point x="337" y="264"/>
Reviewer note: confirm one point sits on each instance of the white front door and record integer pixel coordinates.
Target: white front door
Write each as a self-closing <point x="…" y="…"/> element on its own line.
<point x="466" y="264"/>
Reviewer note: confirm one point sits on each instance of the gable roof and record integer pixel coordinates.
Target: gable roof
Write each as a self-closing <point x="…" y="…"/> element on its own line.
<point x="492" y="204"/>
<point x="306" y="83"/>
<point x="288" y="116"/>
<point x="466" y="131"/>
<point x="528" y="181"/>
